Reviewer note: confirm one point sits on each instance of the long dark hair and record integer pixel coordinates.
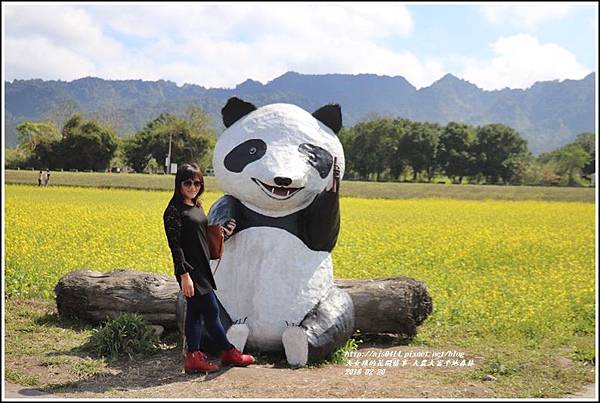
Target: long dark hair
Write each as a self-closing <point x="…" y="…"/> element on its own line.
<point x="187" y="171"/>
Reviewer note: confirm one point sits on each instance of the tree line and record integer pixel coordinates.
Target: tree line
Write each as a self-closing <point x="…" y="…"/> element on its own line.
<point x="89" y="144"/>
<point x="386" y="149"/>
<point x="381" y="149"/>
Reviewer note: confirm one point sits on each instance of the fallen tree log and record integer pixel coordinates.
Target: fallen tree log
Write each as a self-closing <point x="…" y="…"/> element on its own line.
<point x="390" y="305"/>
<point x="94" y="297"/>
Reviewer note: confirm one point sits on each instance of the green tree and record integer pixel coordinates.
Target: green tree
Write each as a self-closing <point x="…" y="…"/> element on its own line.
<point x="39" y="144"/>
<point x="362" y="150"/>
<point x="86" y="144"/>
<point x="454" y="151"/>
<point x="118" y="159"/>
<point x="384" y="134"/>
<point x="398" y="162"/>
<point x="370" y="146"/>
<point x="15" y="158"/>
<point x="191" y="139"/>
<point x="152" y="167"/>
<point x="419" y="147"/>
<point x="200" y="124"/>
<point x="517" y="168"/>
<point x="496" y="149"/>
<point x="587" y="141"/>
<point x="570" y="161"/>
<point x="346" y="137"/>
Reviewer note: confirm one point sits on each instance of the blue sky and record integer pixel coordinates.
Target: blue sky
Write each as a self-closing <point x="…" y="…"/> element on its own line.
<point x="461" y="30"/>
<point x="493" y="45"/>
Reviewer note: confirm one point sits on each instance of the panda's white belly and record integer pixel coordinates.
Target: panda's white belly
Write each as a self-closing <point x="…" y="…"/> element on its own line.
<point x="270" y="276"/>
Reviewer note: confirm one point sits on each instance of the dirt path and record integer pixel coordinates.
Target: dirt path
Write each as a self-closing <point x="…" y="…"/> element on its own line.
<point x="161" y="376"/>
<point x="372" y="372"/>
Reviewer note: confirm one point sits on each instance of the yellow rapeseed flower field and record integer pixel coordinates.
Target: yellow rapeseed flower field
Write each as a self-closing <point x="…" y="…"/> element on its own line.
<point x="495" y="269"/>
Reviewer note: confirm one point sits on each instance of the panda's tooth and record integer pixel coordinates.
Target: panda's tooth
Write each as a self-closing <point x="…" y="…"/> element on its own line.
<point x="272" y="191"/>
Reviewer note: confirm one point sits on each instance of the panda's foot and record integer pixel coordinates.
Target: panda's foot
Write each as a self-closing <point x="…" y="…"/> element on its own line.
<point x="295" y="343"/>
<point x="237" y="334"/>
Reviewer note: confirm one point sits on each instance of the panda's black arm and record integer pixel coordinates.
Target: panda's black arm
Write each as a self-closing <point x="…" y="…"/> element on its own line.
<point x="222" y="210"/>
<point x="322" y="221"/>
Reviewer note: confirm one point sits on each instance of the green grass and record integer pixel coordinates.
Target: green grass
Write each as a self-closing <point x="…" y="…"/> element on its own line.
<point x="371" y="190"/>
<point x="37" y="338"/>
<point x="19" y="378"/>
<point x="87" y="367"/>
<point x="99" y="179"/>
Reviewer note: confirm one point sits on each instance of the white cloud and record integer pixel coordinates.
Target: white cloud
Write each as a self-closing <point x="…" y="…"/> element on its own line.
<point x="221" y="45"/>
<point x="359" y="20"/>
<point x="519" y="61"/>
<point x="525" y="15"/>
<point x="57" y="42"/>
<point x="63" y="26"/>
<point x="211" y="45"/>
<point x="36" y="57"/>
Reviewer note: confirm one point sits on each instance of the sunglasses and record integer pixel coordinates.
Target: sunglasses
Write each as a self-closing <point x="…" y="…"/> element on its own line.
<point x="188" y="183"/>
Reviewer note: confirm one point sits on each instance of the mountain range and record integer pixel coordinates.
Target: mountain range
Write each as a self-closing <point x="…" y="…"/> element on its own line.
<point x="548" y="115"/>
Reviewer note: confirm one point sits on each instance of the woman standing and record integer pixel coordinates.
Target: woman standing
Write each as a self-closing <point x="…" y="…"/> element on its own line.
<point x="185" y="226"/>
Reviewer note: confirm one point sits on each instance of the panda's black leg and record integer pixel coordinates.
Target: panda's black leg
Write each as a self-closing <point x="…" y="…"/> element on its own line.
<point x="324" y="329"/>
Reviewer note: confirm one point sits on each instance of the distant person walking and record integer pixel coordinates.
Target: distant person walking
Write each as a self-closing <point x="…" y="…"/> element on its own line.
<point x="46" y="177"/>
<point x="40" y="177"/>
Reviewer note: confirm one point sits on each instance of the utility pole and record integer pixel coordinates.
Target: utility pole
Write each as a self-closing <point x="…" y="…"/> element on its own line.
<point x="168" y="161"/>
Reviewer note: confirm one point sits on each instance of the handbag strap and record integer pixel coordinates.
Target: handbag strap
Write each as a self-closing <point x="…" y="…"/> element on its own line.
<point x="216" y="268"/>
<point x="222" y="246"/>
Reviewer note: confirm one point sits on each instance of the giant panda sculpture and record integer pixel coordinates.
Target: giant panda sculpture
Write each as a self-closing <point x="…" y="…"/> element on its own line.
<point x="275" y="165"/>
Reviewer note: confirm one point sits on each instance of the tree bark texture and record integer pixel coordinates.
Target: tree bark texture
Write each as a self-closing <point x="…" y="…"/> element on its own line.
<point x="387" y="305"/>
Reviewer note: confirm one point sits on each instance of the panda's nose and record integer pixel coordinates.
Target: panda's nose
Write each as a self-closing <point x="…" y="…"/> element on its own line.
<point x="281" y="181"/>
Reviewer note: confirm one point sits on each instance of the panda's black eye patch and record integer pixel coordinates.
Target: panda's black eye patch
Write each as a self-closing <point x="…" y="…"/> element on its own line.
<point x="318" y="157"/>
<point x="245" y="153"/>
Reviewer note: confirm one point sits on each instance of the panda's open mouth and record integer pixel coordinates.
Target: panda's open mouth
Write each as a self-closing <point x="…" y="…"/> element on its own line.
<point x="276" y="192"/>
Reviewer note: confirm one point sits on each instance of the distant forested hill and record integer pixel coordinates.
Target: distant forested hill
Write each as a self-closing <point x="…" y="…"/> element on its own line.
<point x="548" y="115"/>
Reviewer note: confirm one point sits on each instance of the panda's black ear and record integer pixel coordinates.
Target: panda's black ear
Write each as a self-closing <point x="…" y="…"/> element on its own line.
<point x="234" y="110"/>
<point x="330" y="116"/>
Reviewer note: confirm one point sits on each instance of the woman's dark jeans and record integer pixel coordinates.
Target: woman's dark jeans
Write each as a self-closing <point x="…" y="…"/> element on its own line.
<point x="204" y="306"/>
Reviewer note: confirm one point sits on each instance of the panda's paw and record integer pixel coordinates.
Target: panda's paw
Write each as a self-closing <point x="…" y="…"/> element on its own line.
<point x="237" y="334"/>
<point x="295" y="343"/>
<point x="240" y="321"/>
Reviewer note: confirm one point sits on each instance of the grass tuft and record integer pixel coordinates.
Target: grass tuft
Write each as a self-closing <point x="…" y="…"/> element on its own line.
<point x="126" y="335"/>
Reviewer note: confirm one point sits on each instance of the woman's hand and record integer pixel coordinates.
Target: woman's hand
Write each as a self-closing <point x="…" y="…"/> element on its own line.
<point x="187" y="285"/>
<point x="228" y="230"/>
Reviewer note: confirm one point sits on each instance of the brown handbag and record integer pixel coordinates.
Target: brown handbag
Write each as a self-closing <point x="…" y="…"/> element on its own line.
<point x="216" y="239"/>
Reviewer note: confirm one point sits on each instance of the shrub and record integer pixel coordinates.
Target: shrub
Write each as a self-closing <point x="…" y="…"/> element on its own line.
<point x="129" y="333"/>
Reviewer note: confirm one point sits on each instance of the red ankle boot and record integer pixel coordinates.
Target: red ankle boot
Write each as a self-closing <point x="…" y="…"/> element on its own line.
<point x="235" y="357"/>
<point x="196" y="361"/>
